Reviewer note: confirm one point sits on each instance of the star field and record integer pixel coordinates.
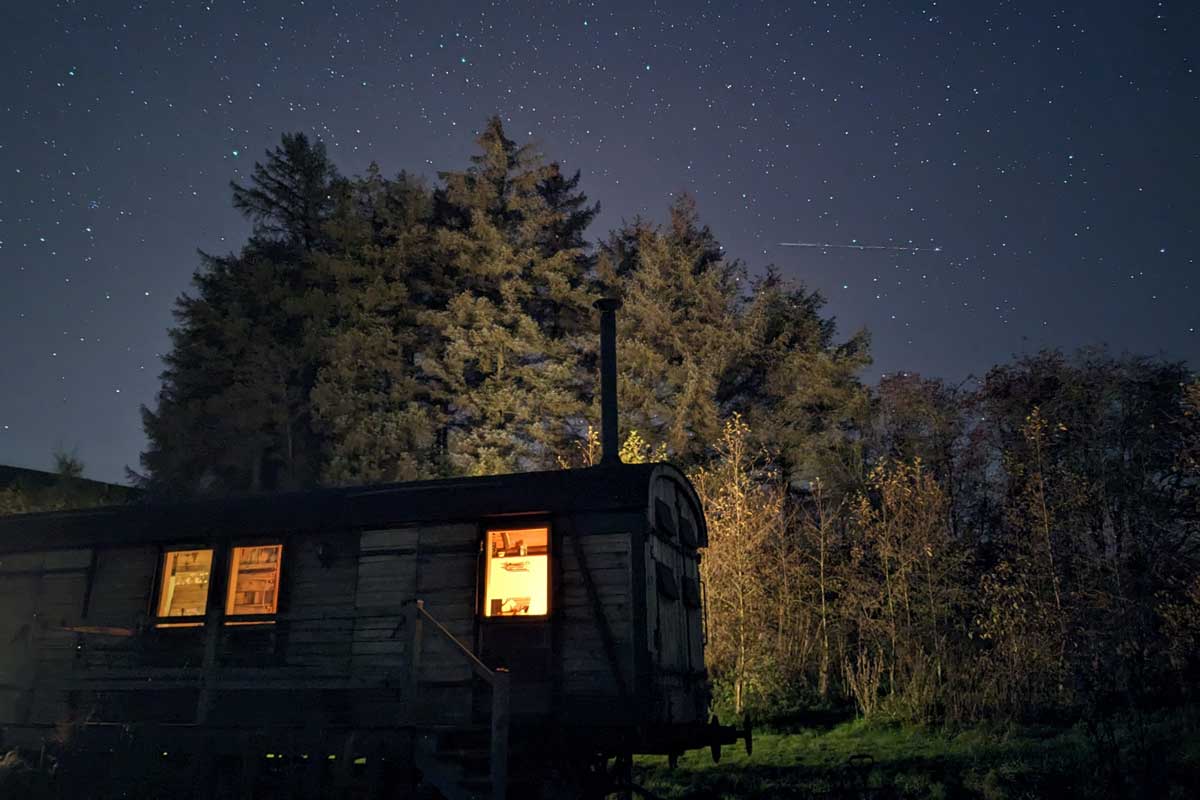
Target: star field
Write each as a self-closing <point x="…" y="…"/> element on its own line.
<point x="1047" y="151"/>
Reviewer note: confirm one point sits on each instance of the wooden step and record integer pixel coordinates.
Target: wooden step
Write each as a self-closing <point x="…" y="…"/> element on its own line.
<point x="464" y="739"/>
<point x="479" y="787"/>
<point x="473" y="761"/>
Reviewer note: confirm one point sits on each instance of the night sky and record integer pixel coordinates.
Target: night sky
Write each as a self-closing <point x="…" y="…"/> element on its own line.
<point x="1051" y="152"/>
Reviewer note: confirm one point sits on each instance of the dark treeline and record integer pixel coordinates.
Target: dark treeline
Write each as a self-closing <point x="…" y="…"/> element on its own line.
<point x="1023" y="550"/>
<point x="1024" y="546"/>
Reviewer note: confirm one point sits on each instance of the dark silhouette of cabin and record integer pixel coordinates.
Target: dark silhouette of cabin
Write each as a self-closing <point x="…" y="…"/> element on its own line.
<point x="505" y="634"/>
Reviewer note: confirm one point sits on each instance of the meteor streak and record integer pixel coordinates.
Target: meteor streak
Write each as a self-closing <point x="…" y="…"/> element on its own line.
<point x="899" y="248"/>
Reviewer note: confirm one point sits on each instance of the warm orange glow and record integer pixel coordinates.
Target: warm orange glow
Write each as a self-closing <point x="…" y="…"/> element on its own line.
<point x="184" y="589"/>
<point x="254" y="580"/>
<point x="517" y="575"/>
<point x="180" y="625"/>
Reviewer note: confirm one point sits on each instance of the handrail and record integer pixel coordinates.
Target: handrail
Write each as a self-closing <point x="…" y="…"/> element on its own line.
<point x="481" y="669"/>
<point x="498" y="679"/>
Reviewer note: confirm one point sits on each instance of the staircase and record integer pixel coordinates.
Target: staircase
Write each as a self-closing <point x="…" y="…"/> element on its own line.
<point x="462" y="762"/>
<point x="457" y="762"/>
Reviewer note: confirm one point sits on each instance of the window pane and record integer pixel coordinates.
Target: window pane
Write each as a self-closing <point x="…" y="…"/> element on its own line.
<point x="254" y="580"/>
<point x="517" y="577"/>
<point x="185" y="575"/>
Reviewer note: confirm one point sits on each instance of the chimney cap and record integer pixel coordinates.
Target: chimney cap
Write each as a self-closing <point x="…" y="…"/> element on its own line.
<point x="607" y="304"/>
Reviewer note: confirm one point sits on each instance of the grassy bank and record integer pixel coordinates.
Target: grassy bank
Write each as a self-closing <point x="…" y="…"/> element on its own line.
<point x="1155" y="757"/>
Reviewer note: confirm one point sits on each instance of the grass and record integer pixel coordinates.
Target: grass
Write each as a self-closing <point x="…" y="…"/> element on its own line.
<point x="863" y="760"/>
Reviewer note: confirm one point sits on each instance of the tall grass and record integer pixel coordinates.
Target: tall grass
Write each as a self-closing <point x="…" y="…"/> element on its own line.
<point x="1160" y="758"/>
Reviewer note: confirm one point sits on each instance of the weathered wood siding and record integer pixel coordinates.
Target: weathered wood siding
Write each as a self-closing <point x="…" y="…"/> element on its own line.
<point x="77" y="639"/>
<point x="18" y="602"/>
<point x="78" y="643"/>
<point x="394" y="567"/>
<point x="40" y="594"/>
<point x="674" y="620"/>
<point x="590" y="686"/>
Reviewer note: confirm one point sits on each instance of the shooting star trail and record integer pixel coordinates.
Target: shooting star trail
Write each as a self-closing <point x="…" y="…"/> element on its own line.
<point x="893" y="247"/>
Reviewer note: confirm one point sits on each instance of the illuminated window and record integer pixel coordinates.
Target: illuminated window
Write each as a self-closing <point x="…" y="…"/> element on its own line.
<point x="254" y="580"/>
<point x="184" y="589"/>
<point x="517" y="575"/>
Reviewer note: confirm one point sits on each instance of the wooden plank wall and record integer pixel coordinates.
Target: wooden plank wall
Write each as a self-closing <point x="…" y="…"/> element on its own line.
<point x="18" y="596"/>
<point x="589" y="685"/>
<point x="387" y="564"/>
<point x="694" y="623"/>
<point x="674" y="628"/>
<point x="342" y="619"/>
<point x="387" y="578"/>
<point x="40" y="593"/>
<point x="438" y="565"/>
<point x="320" y="584"/>
<point x="122" y="586"/>
<point x="447" y="563"/>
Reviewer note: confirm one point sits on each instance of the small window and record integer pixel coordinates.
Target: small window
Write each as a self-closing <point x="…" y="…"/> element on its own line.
<point x="184" y="587"/>
<point x="254" y="580"/>
<point x="517" y="573"/>
<point x="664" y="518"/>
<point x="666" y="581"/>
<point x="687" y="532"/>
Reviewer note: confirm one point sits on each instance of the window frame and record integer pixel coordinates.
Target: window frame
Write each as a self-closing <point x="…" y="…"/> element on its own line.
<point x="220" y="574"/>
<point x="268" y="619"/>
<point x="487" y="527"/>
<point x="182" y="621"/>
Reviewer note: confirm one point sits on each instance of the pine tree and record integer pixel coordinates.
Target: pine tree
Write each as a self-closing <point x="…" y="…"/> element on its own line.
<point x="291" y="195"/>
<point x="800" y="389"/>
<point x="233" y="413"/>
<point x="678" y="328"/>
<point x="505" y="363"/>
<point x="375" y="415"/>
<point x="223" y="422"/>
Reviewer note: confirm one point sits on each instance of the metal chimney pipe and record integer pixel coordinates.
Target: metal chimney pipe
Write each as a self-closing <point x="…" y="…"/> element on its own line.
<point x="609" y="448"/>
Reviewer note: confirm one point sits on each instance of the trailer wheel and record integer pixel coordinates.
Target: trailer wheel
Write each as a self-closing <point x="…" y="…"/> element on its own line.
<point x="714" y="739"/>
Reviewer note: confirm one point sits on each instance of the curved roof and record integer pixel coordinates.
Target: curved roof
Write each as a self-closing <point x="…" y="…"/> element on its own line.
<point x="604" y="488"/>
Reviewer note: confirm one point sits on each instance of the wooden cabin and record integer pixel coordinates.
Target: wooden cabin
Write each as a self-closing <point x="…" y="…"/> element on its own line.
<point x="481" y="636"/>
<point x="365" y="621"/>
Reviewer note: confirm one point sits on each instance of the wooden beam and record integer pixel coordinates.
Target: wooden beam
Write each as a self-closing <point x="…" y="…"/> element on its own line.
<point x="250" y="763"/>
<point x="264" y="684"/>
<point x="414" y="656"/>
<point x="501" y="706"/>
<point x="343" y="770"/>
<point x="98" y="630"/>
<point x="212" y="636"/>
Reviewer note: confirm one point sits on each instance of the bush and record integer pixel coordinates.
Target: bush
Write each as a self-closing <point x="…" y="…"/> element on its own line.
<point x="20" y="779"/>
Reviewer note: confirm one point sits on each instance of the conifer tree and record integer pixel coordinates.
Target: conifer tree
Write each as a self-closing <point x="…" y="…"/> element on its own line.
<point x="678" y="328"/>
<point x="290" y="196"/>
<point x="798" y="387"/>
<point x="233" y="414"/>
<point x="699" y="341"/>
<point x="505" y="363"/>
<point x="375" y="415"/>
